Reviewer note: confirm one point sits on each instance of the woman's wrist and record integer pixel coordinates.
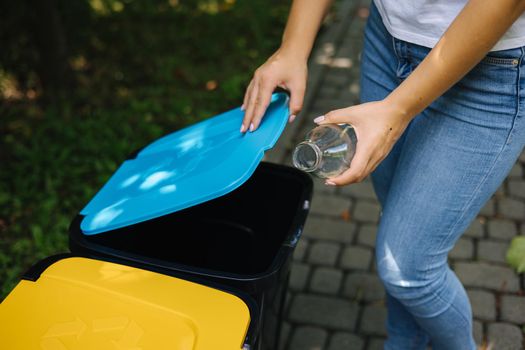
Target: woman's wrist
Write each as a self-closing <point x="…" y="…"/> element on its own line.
<point x="295" y="51"/>
<point x="400" y="106"/>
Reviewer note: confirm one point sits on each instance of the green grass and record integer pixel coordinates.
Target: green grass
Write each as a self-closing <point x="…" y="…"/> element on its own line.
<point x="141" y="70"/>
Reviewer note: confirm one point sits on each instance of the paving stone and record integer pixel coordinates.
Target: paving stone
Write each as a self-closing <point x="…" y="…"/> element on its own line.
<point x="500" y="192"/>
<point x="513" y="308"/>
<point x="300" y="249"/>
<point x="373" y="320"/>
<point x="328" y="104"/>
<point x="329" y="91"/>
<point x="323" y="253"/>
<point x="285" y="334"/>
<point x="366" y="211"/>
<point x="477" y="274"/>
<point x="345" y="50"/>
<point x="475" y="229"/>
<point x="354" y="88"/>
<point x="477" y="329"/>
<point x="492" y="251"/>
<point x="288" y="300"/>
<point x="329" y="205"/>
<point x="516" y="171"/>
<point x="346" y="341"/>
<point x="517" y="188"/>
<point x="326" y="280"/>
<point x="464" y="249"/>
<point x="319" y="186"/>
<point x="329" y="229"/>
<point x="489" y="209"/>
<point x="374" y="266"/>
<point x="363" y="286"/>
<point x="502" y="229"/>
<point x="358" y="258"/>
<point x="504" y="336"/>
<point x="299" y="276"/>
<point x="324" y="311"/>
<point x="512" y="208"/>
<point x="350" y="99"/>
<point x="376" y="344"/>
<point x="360" y="190"/>
<point x="483" y="304"/>
<point x="367" y="235"/>
<point x="334" y="78"/>
<point x="308" y="338"/>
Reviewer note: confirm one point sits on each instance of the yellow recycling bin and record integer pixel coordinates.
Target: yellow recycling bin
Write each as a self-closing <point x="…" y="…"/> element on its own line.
<point x="83" y="304"/>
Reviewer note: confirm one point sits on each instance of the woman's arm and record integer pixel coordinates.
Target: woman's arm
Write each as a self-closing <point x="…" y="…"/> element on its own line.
<point x="286" y="67"/>
<point x="471" y="35"/>
<point x="302" y="26"/>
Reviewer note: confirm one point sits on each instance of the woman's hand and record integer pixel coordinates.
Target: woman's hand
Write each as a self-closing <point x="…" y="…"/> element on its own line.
<point x="378" y="125"/>
<point x="281" y="69"/>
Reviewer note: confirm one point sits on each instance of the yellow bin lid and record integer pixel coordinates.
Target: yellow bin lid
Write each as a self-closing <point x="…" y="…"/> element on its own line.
<point x="85" y="304"/>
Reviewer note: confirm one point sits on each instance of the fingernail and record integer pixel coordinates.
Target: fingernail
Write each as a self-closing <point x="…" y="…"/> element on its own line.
<point x="329" y="183"/>
<point x="242" y="128"/>
<point x="242" y="107"/>
<point x="319" y="119"/>
<point x="292" y="118"/>
<point x="252" y="127"/>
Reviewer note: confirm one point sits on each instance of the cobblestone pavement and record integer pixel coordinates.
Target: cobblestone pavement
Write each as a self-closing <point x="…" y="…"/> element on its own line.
<point x="336" y="301"/>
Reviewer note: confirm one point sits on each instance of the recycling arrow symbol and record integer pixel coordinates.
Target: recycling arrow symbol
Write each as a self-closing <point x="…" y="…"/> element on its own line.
<point x="51" y="339"/>
<point x="132" y="332"/>
<point x="130" y="338"/>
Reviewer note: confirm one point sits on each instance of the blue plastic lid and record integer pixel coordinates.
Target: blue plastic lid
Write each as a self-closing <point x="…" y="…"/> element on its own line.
<point x="193" y="165"/>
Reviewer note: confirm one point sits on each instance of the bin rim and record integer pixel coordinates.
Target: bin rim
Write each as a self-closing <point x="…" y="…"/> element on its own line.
<point x="34" y="272"/>
<point x="80" y="244"/>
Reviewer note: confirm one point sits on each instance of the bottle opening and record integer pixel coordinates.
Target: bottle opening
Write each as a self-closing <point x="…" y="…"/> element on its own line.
<point x="306" y="156"/>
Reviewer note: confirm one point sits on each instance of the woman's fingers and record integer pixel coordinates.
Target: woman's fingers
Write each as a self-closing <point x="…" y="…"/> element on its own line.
<point x="247" y="95"/>
<point x="296" y="101"/>
<point x="358" y="168"/>
<point x="248" y="114"/>
<point x="338" y="116"/>
<point x="262" y="101"/>
<point x="286" y="71"/>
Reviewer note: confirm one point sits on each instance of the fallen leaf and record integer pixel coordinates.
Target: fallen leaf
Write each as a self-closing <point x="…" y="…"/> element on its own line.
<point x="516" y="254"/>
<point x="345" y="215"/>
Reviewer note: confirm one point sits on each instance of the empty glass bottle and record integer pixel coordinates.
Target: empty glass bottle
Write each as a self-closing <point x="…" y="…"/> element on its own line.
<point x="326" y="151"/>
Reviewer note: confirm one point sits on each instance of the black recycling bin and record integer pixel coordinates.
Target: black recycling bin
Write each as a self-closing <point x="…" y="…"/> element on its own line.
<point x="241" y="237"/>
<point x="244" y="239"/>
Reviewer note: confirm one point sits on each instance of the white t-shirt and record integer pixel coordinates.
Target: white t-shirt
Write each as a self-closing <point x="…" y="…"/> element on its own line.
<point x="423" y="22"/>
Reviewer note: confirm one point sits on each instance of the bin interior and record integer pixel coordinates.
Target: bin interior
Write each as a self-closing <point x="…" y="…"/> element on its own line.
<point x="240" y="232"/>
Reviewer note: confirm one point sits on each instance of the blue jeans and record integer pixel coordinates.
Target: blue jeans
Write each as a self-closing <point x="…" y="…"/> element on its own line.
<point x="447" y="164"/>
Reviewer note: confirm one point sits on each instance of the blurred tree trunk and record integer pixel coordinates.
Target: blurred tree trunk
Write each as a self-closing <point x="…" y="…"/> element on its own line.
<point x="50" y="40"/>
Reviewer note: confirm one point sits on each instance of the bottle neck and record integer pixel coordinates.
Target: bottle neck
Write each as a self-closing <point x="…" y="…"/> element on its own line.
<point x="307" y="156"/>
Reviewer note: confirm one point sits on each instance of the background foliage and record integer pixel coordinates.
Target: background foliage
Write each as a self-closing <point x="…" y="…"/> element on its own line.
<point x="84" y="83"/>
